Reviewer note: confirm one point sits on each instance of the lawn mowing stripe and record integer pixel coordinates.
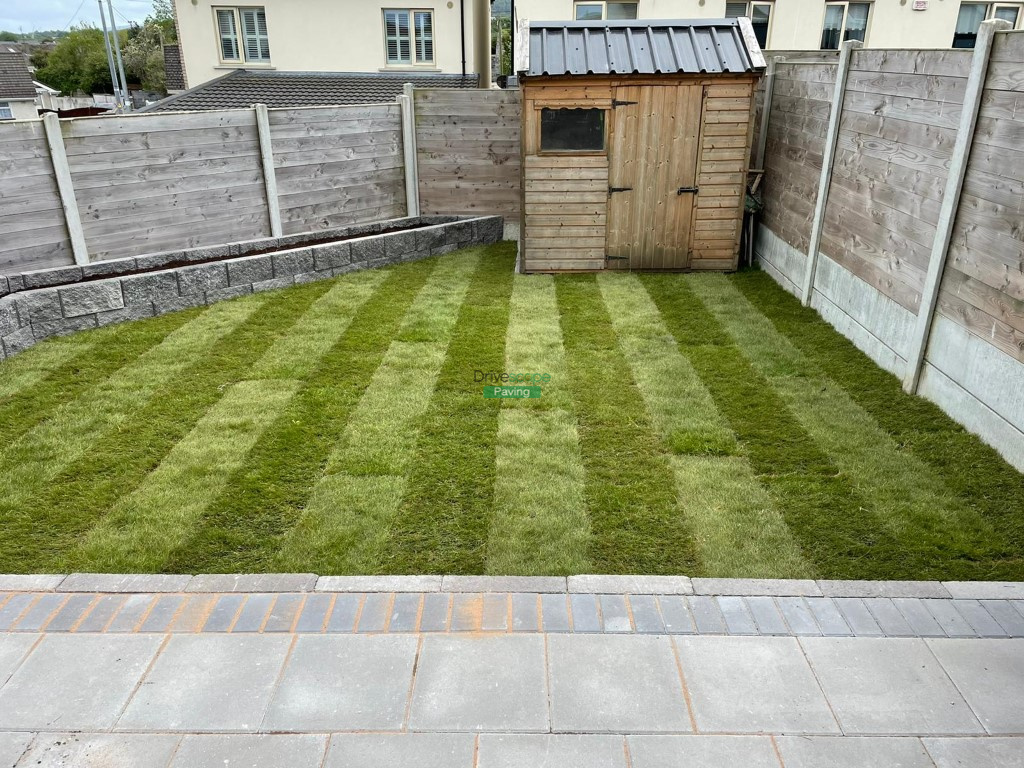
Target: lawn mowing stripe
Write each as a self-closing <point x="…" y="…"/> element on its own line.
<point x="298" y="351"/>
<point x="823" y="511"/>
<point x="540" y="520"/>
<point x="443" y="522"/>
<point x="973" y="470"/>
<point x="738" y="529"/>
<point x="138" y="534"/>
<point x="630" y="490"/>
<point x="241" y="531"/>
<point x="345" y="525"/>
<point x="119" y="459"/>
<point x="94" y="361"/>
<point x="33" y="365"/>
<point x="938" y="535"/>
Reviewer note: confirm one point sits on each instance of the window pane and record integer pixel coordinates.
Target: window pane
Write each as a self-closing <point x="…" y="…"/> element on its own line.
<point x="397" y="39"/>
<point x="832" y="28"/>
<point x="228" y="35"/>
<point x="1007" y="13"/>
<point x="759" y="19"/>
<point x="6" y="113"/>
<point x="735" y="10"/>
<point x="589" y="12"/>
<point x="857" y="21"/>
<point x="968" y="23"/>
<point x="254" y="28"/>
<point x="424" y="37"/>
<point x="571" y="130"/>
<point x="621" y="11"/>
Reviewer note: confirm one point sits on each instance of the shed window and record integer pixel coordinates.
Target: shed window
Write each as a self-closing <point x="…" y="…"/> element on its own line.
<point x="844" y="21"/>
<point x="572" y="130"/>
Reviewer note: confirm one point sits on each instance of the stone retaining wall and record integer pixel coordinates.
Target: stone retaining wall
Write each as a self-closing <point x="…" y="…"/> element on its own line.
<point x="55" y="302"/>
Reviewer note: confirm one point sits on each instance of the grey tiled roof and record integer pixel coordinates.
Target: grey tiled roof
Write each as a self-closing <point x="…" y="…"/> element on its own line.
<point x="15" y="79"/>
<point x="641" y="47"/>
<point x="302" y="89"/>
<point x="172" y="68"/>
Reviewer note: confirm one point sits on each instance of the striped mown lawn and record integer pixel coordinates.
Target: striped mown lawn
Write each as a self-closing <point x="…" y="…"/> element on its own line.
<point x="694" y="424"/>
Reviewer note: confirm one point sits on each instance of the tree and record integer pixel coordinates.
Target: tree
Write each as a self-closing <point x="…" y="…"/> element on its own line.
<point x="9" y="37"/>
<point x="78" y="63"/>
<point x="144" y="55"/>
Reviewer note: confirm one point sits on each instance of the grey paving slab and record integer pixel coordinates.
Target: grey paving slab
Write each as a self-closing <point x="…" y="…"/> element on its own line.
<point x="918" y="617"/>
<point x="891" y="686"/>
<point x="422" y="750"/>
<point x="702" y="751"/>
<point x="503" y="584"/>
<point x="743" y="587"/>
<point x="117" y="582"/>
<point x="798" y="616"/>
<point x="631" y="585"/>
<point x="646" y="615"/>
<point x="932" y="589"/>
<point x="738" y="620"/>
<point x="79" y="682"/>
<point x="224" y="612"/>
<point x="12" y="747"/>
<point x="467" y="610"/>
<point x="526" y="612"/>
<point x="766" y="616"/>
<point x="676" y="613"/>
<point x="314" y="613"/>
<point x="284" y="613"/>
<point x="162" y="613"/>
<point x="890" y="620"/>
<point x="707" y="617"/>
<point x="30" y="582"/>
<point x="1003" y="611"/>
<point x="13" y="649"/>
<point x="344" y="683"/>
<point x="375" y="613"/>
<point x="480" y="683"/>
<point x="586" y="613"/>
<point x="555" y="613"/>
<point x="255" y="582"/>
<point x="208" y="683"/>
<point x="405" y="612"/>
<point x="71" y="613"/>
<point x="752" y="685"/>
<point x="551" y="751"/>
<point x="949" y="619"/>
<point x="981" y="621"/>
<point x="615" y="683"/>
<point x="827" y="616"/>
<point x="494" y="617"/>
<point x="102" y="613"/>
<point x="436" y="612"/>
<point x="615" y="614"/>
<point x="251" y="751"/>
<point x="990" y="676"/>
<point x="343" y="615"/>
<point x="972" y="590"/>
<point x="852" y="752"/>
<point x="975" y="753"/>
<point x="37" y="616"/>
<point x="101" y="750"/>
<point x="254" y="613"/>
<point x="378" y="584"/>
<point x="13" y="609"/>
<point x="857" y="616"/>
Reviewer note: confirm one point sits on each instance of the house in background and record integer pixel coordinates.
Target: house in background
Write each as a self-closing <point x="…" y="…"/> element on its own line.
<point x="17" y="91"/>
<point x="431" y="37"/>
<point x="806" y="25"/>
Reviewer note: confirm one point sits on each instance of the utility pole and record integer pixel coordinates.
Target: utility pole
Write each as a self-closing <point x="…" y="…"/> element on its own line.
<point x="110" y="60"/>
<point x="120" y="61"/>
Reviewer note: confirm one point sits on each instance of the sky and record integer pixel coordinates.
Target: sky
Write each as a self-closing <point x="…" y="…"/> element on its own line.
<point x="29" y="15"/>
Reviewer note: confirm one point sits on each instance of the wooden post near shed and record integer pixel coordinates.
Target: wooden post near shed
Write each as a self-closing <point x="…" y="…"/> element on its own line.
<point x="269" y="174"/>
<point x="951" y="200"/>
<point x="407" y="103"/>
<point x="66" y="187"/>
<point x="828" y="159"/>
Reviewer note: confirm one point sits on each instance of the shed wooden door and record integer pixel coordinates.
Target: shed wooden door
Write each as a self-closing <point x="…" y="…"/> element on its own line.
<point x="652" y="156"/>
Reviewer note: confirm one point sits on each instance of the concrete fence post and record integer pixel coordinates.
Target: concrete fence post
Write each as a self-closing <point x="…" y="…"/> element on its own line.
<point x="407" y="104"/>
<point x="950" y="201"/>
<point x="66" y="188"/>
<point x="269" y="174"/>
<point x="828" y="160"/>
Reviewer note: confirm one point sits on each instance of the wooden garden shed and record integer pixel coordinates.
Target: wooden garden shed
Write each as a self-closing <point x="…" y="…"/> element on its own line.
<point x="636" y="142"/>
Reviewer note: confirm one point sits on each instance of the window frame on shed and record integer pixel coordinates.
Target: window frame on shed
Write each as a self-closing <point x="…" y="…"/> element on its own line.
<point x="539" y="138"/>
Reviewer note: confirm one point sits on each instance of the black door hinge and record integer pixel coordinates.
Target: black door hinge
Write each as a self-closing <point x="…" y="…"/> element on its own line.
<point x="613" y="190"/>
<point x="617" y="103"/>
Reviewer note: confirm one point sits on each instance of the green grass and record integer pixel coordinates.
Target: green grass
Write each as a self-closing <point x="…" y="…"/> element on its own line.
<point x="698" y="424"/>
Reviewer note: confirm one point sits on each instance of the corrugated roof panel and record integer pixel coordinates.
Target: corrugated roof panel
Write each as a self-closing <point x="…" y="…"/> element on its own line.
<point x="640" y="47"/>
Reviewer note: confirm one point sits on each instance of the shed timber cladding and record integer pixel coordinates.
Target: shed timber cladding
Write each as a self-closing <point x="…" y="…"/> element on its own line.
<point x="640" y="48"/>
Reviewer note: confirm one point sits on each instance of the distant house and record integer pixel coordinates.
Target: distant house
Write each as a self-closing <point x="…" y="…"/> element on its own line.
<point x="430" y="37"/>
<point x="17" y="91"/>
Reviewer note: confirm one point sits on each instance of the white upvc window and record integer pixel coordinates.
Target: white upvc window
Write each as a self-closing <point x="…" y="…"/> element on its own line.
<point x="243" y="35"/>
<point x="844" y="21"/>
<point x="760" y="15"/>
<point x="6" y="113"/>
<point x="408" y="37"/>
<point x="605" y="10"/>
<point x="972" y="14"/>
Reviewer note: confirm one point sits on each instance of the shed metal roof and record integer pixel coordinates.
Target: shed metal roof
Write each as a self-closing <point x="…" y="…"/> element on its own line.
<point x="643" y="47"/>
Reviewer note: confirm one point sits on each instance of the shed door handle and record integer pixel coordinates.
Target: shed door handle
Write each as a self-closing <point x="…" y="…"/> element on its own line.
<point x="685" y="190"/>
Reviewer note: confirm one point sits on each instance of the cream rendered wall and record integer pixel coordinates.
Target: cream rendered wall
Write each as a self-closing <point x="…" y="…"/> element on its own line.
<point x="321" y="36"/>
<point x="23" y="109"/>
